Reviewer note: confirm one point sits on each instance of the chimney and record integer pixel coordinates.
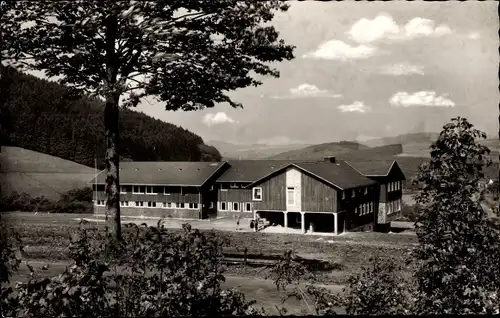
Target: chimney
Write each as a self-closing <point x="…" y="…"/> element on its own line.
<point x="330" y="159"/>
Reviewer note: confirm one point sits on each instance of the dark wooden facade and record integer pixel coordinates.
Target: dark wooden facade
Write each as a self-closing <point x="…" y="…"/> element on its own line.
<point x="273" y="193"/>
<point x="317" y="195"/>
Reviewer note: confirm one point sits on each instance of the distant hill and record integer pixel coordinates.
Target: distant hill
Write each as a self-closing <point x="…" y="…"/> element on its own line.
<point x="39" y="174"/>
<point x="252" y="151"/>
<point x="44" y="116"/>
<point x="320" y="151"/>
<point x="402" y="139"/>
<point x="417" y="144"/>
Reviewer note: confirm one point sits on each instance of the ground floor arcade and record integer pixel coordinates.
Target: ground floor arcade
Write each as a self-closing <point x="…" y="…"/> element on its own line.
<point x="306" y="222"/>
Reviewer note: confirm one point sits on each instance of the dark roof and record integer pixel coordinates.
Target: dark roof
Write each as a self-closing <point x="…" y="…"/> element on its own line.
<point x="338" y="174"/>
<point x="372" y="167"/>
<point x="165" y="173"/>
<point x="251" y="170"/>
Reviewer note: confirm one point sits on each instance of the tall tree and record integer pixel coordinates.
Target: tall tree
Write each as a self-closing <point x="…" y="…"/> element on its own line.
<point x="459" y="248"/>
<point x="187" y="54"/>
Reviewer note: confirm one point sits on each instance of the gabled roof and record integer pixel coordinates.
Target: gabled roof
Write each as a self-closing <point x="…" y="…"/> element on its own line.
<point x="338" y="174"/>
<point x="374" y="168"/>
<point x="251" y="170"/>
<point x="165" y="173"/>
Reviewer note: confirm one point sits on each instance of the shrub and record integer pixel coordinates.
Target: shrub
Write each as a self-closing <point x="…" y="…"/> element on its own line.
<point x="151" y="272"/>
<point x="24" y="202"/>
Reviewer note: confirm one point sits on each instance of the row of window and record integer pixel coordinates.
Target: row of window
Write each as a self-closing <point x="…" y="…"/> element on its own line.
<point x="353" y="192"/>
<point x="235" y="206"/>
<point x="364" y="209"/>
<point x="394" y="186"/>
<point x="153" y="204"/>
<point x="144" y="190"/>
<point x="393" y="206"/>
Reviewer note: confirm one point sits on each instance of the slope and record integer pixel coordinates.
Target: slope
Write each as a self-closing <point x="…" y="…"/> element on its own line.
<point x="39" y="174"/>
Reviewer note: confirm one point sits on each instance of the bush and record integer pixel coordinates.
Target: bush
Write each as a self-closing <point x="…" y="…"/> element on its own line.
<point x="408" y="213"/>
<point x="73" y="201"/>
<point x="24" y="202"/>
<point x="151" y="272"/>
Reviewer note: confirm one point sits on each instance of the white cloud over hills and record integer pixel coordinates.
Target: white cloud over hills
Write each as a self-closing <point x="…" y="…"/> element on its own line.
<point x="422" y="98"/>
<point x="383" y="27"/>
<point x="401" y="69"/>
<point x="356" y="107"/>
<point x="339" y="50"/>
<point x="308" y="90"/>
<point x="217" y="119"/>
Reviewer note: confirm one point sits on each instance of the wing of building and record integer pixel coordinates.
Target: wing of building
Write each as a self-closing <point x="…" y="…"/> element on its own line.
<point x="320" y="196"/>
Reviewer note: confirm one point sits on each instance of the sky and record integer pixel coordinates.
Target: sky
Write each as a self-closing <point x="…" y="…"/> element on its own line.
<point x="364" y="70"/>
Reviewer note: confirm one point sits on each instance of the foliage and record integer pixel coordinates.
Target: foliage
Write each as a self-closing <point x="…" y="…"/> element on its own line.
<point x="187" y="53"/>
<point x="10" y="259"/>
<point x="378" y="289"/>
<point x="71" y="128"/>
<point x="408" y="213"/>
<point x="151" y="272"/>
<point x="73" y="201"/>
<point x="458" y="248"/>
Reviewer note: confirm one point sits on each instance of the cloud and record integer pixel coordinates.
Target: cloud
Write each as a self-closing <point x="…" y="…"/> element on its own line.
<point x="422" y="98"/>
<point x="357" y="106"/>
<point x="383" y="27"/>
<point x="307" y="90"/>
<point x="218" y="118"/>
<point x="339" y="50"/>
<point x="401" y="69"/>
<point x="474" y="35"/>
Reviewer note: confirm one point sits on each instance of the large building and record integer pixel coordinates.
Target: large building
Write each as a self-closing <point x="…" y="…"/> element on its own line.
<point x="322" y="196"/>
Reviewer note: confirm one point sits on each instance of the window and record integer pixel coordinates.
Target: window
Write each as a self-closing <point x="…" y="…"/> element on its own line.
<point x="356" y="210"/>
<point x="211" y="205"/>
<point x="168" y="205"/>
<point x="366" y="190"/>
<point x="166" y="191"/>
<point x="193" y="206"/>
<point x="236" y="206"/>
<point x="123" y="203"/>
<point x="138" y="189"/>
<point x="151" y="204"/>
<point x="234" y="186"/>
<point x="223" y="187"/>
<point x="343" y="195"/>
<point x="257" y="194"/>
<point x="101" y="203"/>
<point x="223" y="206"/>
<point x="248" y="207"/>
<point x="353" y="193"/>
<point x="290" y="196"/>
<point x="123" y="190"/>
<point x="389" y="208"/>
<point x="180" y="205"/>
<point x="371" y="207"/>
<point x="150" y="190"/>
<point x="139" y="203"/>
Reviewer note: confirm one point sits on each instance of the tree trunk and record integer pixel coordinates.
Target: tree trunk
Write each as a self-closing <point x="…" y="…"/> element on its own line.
<point x="112" y="160"/>
<point x="111" y="117"/>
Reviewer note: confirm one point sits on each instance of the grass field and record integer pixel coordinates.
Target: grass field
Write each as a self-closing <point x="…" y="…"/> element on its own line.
<point x="39" y="174"/>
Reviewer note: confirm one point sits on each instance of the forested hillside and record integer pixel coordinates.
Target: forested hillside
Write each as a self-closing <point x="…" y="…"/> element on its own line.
<point x="43" y="116"/>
